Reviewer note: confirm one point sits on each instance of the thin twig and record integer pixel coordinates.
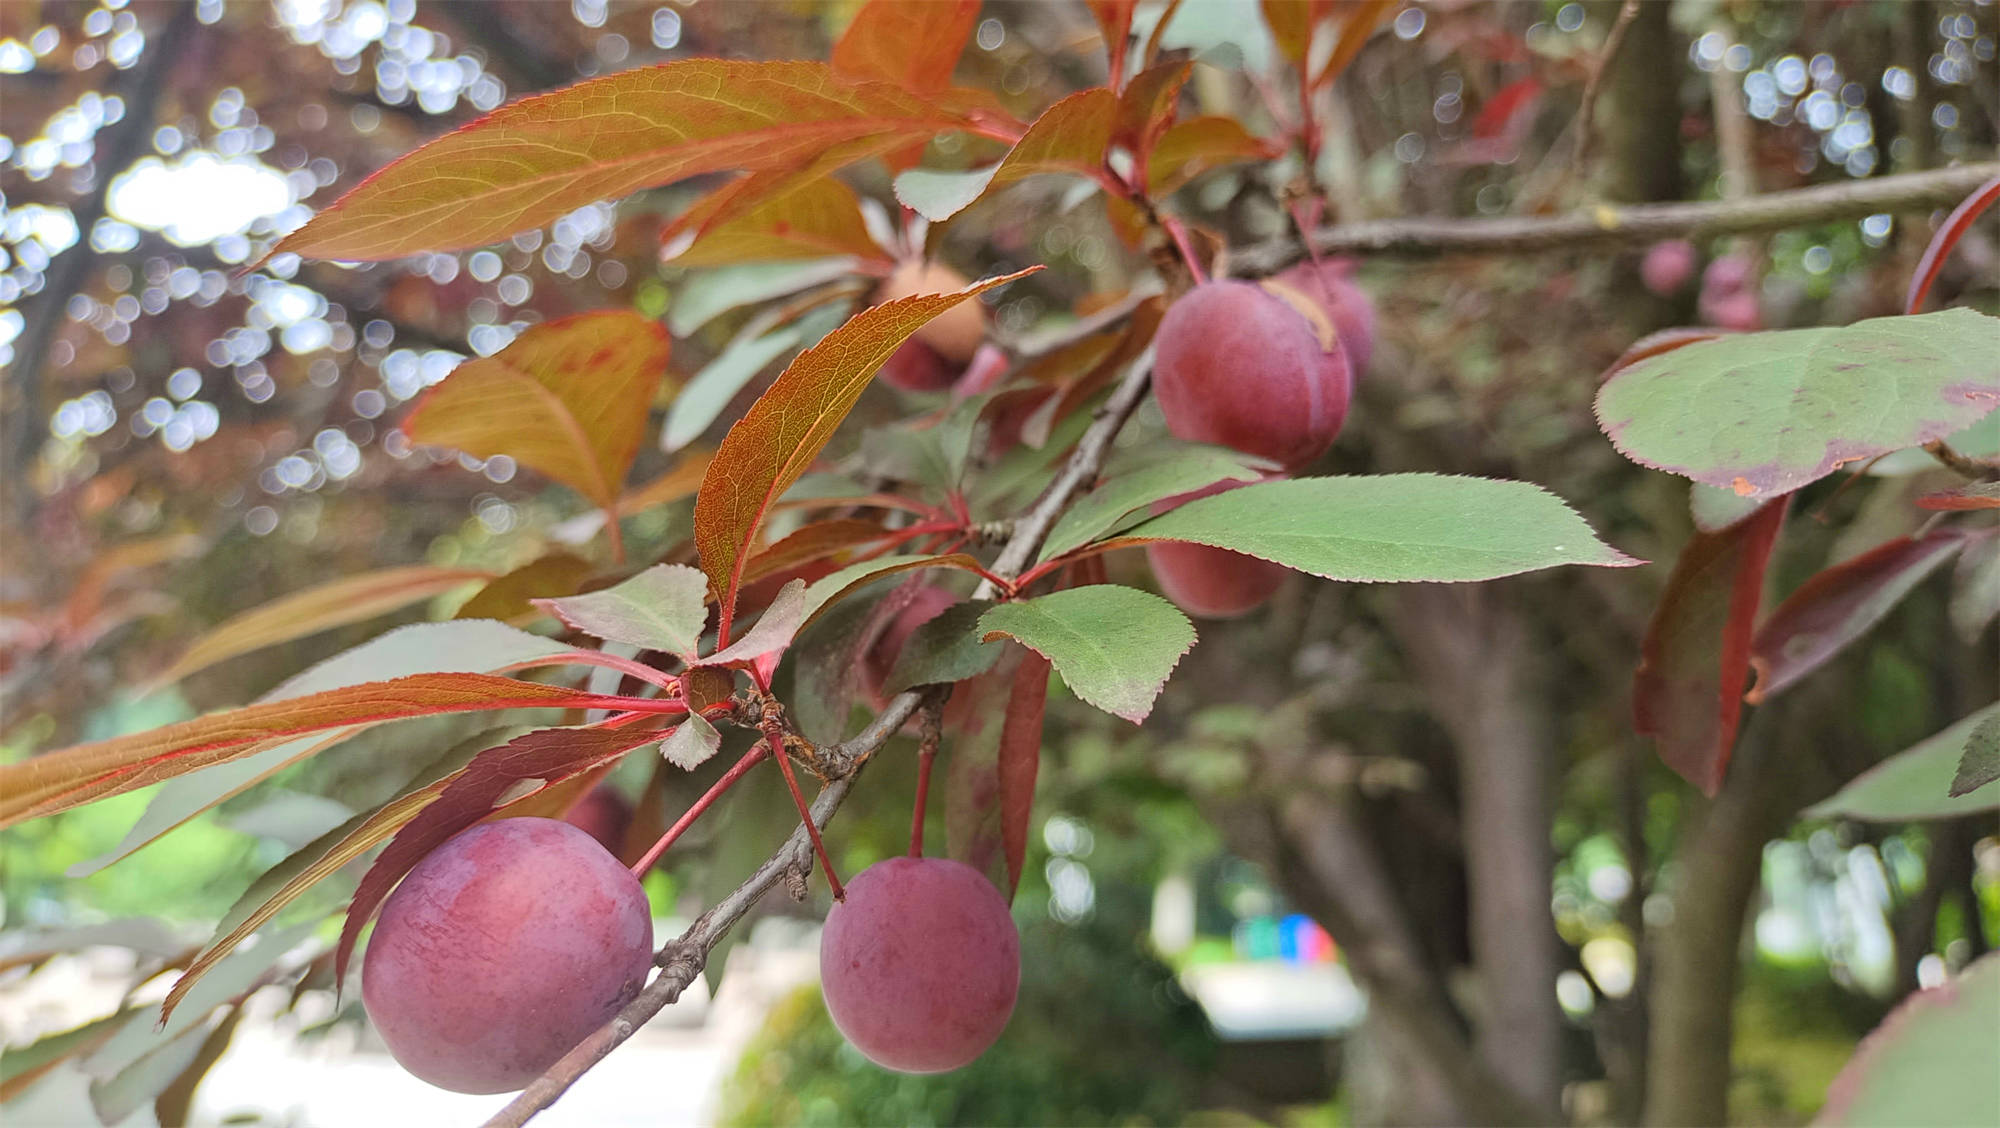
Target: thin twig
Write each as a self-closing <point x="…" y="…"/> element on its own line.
<point x="1965" y="464"/>
<point x="683" y="959"/>
<point x="1639" y="223"/>
<point x="1586" y="131"/>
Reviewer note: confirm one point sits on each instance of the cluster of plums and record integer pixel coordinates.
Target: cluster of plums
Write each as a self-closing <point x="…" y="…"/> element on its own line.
<point x="1266" y="369"/>
<point x="513" y="941"/>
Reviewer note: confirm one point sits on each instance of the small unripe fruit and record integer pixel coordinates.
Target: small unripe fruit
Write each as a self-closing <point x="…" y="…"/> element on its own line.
<point x="920" y="964"/>
<point x="604" y="815"/>
<point x="1729" y="297"/>
<point x="501" y="951"/>
<point x="1207" y="582"/>
<point x="916" y="367"/>
<point x="1667" y="267"/>
<point x="1330" y="285"/>
<point x="954" y="334"/>
<point x="1237" y="366"/>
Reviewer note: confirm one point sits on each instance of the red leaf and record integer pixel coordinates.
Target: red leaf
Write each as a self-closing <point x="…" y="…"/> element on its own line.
<point x="1114" y="23"/>
<point x="778" y="438"/>
<point x="1955" y="226"/>
<point x="1839" y="605"/>
<point x="1688" y="693"/>
<point x="975" y="716"/>
<point x="1497" y="116"/>
<point x="1979" y="495"/>
<point x="1020" y="756"/>
<point x="67" y="778"/>
<point x="812" y="542"/>
<point x="531" y="162"/>
<point x="550" y="755"/>
<point x="914" y="44"/>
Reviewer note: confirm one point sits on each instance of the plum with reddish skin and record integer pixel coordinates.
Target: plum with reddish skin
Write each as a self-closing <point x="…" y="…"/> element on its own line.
<point x="920" y="964"/>
<point x="916" y="367"/>
<point x="1237" y="366"/>
<point x="1208" y="582"/>
<point x="1729" y="297"/>
<point x="1667" y="267"/>
<point x="1331" y="286"/>
<point x="502" y="950"/>
<point x="604" y="815"/>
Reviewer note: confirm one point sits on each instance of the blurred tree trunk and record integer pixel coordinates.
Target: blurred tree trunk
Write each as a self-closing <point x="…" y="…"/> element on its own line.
<point x="1640" y="112"/>
<point x="1477" y="664"/>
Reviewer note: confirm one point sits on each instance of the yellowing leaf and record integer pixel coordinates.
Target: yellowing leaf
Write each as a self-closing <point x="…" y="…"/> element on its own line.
<point x="315" y="609"/>
<point x="67" y="778"/>
<point x="912" y="43"/>
<point x="778" y="438"/>
<point x="682" y="481"/>
<point x="531" y="162"/>
<point x="567" y="399"/>
<point x="766" y="217"/>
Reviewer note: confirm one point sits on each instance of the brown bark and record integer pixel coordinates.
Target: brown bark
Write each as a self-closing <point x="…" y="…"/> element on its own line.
<point x="1641" y="111"/>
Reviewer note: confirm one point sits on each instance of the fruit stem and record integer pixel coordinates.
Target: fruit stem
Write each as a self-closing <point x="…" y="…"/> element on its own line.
<point x="812" y="829"/>
<point x="695" y="809"/>
<point x="1179" y="235"/>
<point x="926" y="753"/>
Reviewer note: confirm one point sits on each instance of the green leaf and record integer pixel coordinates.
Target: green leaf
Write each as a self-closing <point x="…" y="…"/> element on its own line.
<point x="1715" y="509"/>
<point x="828" y="589"/>
<point x="1395" y="527"/>
<point x="703" y="400"/>
<point x="1114" y="646"/>
<point x="1766" y="413"/>
<point x="692" y="742"/>
<point x="1979" y="765"/>
<point x="1931" y="1064"/>
<point x="460" y="646"/>
<point x="1117" y="502"/>
<point x="947" y="649"/>
<point x="661" y="608"/>
<point x="1918" y="782"/>
<point x="122" y="1094"/>
<point x="710" y="293"/>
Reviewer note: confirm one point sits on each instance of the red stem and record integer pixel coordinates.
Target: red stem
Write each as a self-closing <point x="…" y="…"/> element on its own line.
<point x="1179" y="235"/>
<point x="923" y="793"/>
<point x="638" y="670"/>
<point x="695" y="809"/>
<point x="805" y="814"/>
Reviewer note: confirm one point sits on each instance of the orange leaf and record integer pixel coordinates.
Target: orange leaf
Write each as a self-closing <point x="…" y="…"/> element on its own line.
<point x="778" y="438"/>
<point x="567" y="398"/>
<point x="1292" y="23"/>
<point x="315" y="609"/>
<point x="682" y="481"/>
<point x="1070" y="136"/>
<point x="387" y="820"/>
<point x="914" y="44"/>
<point x="1359" y="24"/>
<point x="66" y="778"/>
<point x="529" y="163"/>
<point x="1189" y="148"/>
<point x="769" y="216"/>
<point x="549" y="755"/>
<point x="1147" y="107"/>
<point x="510" y="597"/>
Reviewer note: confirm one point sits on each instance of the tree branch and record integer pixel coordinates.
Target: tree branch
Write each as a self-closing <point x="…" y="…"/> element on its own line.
<point x="1640" y="223"/>
<point x="683" y="958"/>
<point x="118" y="145"/>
